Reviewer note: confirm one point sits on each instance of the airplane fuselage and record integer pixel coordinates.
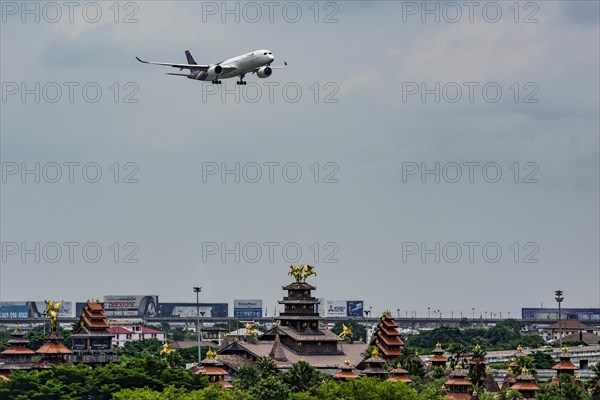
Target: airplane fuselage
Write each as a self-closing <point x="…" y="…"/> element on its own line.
<point x="247" y="63"/>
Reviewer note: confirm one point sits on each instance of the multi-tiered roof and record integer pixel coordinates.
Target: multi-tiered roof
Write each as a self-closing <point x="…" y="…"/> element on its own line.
<point x="92" y="341"/>
<point x="298" y="325"/>
<point x="18" y="355"/>
<point x="387" y="337"/>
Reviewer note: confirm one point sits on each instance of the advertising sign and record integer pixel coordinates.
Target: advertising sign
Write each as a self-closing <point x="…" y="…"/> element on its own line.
<point x="188" y="310"/>
<point x="355" y="308"/>
<point x="336" y="308"/>
<point x="13" y="310"/>
<point x="247" y="308"/>
<point x="581" y="314"/>
<point x="32" y="309"/>
<point x="131" y="305"/>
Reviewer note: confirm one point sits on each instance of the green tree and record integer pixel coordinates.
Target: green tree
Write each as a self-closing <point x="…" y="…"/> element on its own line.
<point x="302" y="376"/>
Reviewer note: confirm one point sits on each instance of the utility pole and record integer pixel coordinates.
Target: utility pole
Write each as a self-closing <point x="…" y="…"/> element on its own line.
<point x="559" y="298"/>
<point x="197" y="290"/>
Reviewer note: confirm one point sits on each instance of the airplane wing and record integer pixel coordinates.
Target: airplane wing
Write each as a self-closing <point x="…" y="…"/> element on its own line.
<point x="281" y="66"/>
<point x="226" y="68"/>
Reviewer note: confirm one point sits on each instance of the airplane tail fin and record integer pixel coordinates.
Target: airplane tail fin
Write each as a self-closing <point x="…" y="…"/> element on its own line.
<point x="190" y="59"/>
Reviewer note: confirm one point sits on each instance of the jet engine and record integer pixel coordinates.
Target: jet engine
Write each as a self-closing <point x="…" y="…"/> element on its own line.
<point x="264" y="72"/>
<point x="213" y="72"/>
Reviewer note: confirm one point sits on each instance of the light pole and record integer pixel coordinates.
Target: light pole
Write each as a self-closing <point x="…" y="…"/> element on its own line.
<point x="559" y="298"/>
<point x="197" y="290"/>
<point x="428" y="312"/>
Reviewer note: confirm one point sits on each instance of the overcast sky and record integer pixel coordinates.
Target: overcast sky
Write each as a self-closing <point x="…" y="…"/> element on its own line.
<point x="503" y="111"/>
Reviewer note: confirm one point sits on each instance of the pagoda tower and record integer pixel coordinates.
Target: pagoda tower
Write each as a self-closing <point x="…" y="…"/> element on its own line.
<point x="213" y="369"/>
<point x="53" y="350"/>
<point x="298" y="325"/>
<point x="526" y="385"/>
<point x="564" y="367"/>
<point x="399" y="375"/>
<point x="458" y="385"/>
<point x="92" y="341"/>
<point x="438" y="359"/>
<point x="373" y="366"/>
<point x="18" y="355"/>
<point x="346" y="372"/>
<point x="387" y="337"/>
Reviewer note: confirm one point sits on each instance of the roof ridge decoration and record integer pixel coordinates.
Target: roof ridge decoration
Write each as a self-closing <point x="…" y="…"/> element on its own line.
<point x="301" y="272"/>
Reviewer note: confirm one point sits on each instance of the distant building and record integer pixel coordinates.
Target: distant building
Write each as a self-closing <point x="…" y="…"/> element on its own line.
<point x="124" y="334"/>
<point x="580" y="314"/>
<point x="568" y="327"/>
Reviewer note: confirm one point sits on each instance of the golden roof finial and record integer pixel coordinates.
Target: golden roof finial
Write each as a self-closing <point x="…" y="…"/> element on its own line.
<point x="438" y="346"/>
<point x="211" y="354"/>
<point x="524" y="371"/>
<point x="477" y="347"/>
<point x="375" y="353"/>
<point x="347" y="363"/>
<point x="458" y="367"/>
<point x="520" y="349"/>
<point x="565" y="349"/>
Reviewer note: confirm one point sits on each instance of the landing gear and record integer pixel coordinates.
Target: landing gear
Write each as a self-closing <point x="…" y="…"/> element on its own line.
<point x="241" y="81"/>
<point x="216" y="82"/>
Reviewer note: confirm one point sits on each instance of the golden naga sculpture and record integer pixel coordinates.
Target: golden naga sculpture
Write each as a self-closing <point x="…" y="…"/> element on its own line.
<point x="301" y="272"/>
<point x="51" y="311"/>
<point x="167" y="349"/>
<point x="346" y="332"/>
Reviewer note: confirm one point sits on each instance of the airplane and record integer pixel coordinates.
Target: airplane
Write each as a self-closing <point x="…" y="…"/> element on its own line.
<point x="257" y="62"/>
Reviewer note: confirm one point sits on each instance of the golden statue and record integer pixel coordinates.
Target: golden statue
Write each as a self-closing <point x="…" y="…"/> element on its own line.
<point x="251" y="330"/>
<point x="308" y="270"/>
<point x="167" y="349"/>
<point x="347" y="331"/>
<point x="296" y="272"/>
<point x="52" y="312"/>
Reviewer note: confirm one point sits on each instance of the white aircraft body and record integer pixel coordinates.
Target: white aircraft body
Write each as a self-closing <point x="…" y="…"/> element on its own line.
<point x="257" y="62"/>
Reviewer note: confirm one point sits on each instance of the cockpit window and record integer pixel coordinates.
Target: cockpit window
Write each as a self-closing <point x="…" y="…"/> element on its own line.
<point x="265" y="54"/>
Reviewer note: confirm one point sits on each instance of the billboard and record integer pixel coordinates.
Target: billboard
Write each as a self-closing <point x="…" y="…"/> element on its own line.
<point x="130" y="305"/>
<point x="581" y="314"/>
<point x="336" y="308"/>
<point x="32" y="309"/>
<point x="188" y="310"/>
<point x="247" y="308"/>
<point x="355" y="308"/>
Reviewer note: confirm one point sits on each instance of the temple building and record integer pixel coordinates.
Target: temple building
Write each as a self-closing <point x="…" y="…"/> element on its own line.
<point x="18" y="355"/>
<point x="91" y="339"/>
<point x="458" y="385"/>
<point x="374" y="366"/>
<point x="53" y="351"/>
<point x="387" y="338"/>
<point x="564" y="366"/>
<point x="438" y="359"/>
<point x="297" y="335"/>
<point x="399" y="375"/>
<point x="526" y="384"/>
<point x="213" y="369"/>
<point x="346" y="372"/>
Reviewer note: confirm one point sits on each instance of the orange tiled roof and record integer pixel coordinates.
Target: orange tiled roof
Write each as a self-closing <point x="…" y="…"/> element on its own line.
<point x="345" y="374"/>
<point x="565" y="364"/>
<point x="212" y="370"/>
<point x="17" y="350"/>
<point x="525" y="386"/>
<point x="53" y="348"/>
<point x="458" y="381"/>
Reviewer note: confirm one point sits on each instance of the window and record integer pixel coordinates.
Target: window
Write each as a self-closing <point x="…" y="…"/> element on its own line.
<point x="265" y="54"/>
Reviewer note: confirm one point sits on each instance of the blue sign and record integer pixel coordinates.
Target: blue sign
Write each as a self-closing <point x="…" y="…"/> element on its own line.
<point x="14" y="311"/>
<point x="355" y="308"/>
<point x="247" y="312"/>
